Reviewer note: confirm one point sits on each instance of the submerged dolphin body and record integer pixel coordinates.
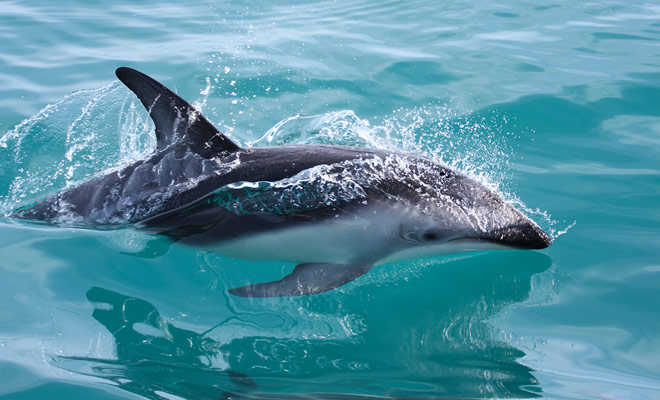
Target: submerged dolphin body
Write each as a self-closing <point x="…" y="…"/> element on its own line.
<point x="335" y="211"/>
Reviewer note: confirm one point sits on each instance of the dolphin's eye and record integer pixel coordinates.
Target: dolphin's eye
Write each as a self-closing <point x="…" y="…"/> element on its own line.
<point x="428" y="236"/>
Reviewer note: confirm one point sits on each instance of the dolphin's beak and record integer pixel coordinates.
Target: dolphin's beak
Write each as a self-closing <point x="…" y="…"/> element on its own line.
<point x="524" y="235"/>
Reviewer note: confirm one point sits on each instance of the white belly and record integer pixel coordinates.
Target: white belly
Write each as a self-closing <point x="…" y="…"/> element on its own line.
<point x="338" y="240"/>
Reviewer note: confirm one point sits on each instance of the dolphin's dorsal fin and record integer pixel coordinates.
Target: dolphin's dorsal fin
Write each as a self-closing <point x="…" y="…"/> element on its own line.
<point x="176" y="121"/>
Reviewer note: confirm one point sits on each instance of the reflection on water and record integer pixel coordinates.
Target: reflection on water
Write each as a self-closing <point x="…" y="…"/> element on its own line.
<point x="155" y="358"/>
<point x="440" y="346"/>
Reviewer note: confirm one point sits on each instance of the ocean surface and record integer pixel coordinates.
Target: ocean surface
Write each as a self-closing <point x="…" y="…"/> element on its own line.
<point x="555" y="105"/>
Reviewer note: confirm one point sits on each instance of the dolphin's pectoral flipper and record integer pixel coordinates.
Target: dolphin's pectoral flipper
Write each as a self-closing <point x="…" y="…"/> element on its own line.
<point x="175" y="119"/>
<point x="311" y="278"/>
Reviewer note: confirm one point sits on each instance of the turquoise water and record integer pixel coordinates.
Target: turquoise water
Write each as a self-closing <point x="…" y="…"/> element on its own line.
<point x="555" y="105"/>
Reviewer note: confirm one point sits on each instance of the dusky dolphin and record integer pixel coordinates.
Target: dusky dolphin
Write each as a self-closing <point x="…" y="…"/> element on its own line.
<point x="336" y="211"/>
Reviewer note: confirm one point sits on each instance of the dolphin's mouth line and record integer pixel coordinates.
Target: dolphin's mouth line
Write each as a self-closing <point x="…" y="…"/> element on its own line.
<point x="538" y="244"/>
<point x="463" y="239"/>
<point x="475" y="240"/>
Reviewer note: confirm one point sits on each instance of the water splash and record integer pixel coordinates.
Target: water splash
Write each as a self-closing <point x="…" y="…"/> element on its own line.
<point x="476" y="146"/>
<point x="85" y="134"/>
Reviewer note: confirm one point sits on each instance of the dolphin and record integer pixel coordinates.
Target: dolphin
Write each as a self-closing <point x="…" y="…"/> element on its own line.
<point x="334" y="211"/>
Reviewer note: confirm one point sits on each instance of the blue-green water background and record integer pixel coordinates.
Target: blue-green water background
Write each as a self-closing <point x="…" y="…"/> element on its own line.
<point x="556" y="104"/>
